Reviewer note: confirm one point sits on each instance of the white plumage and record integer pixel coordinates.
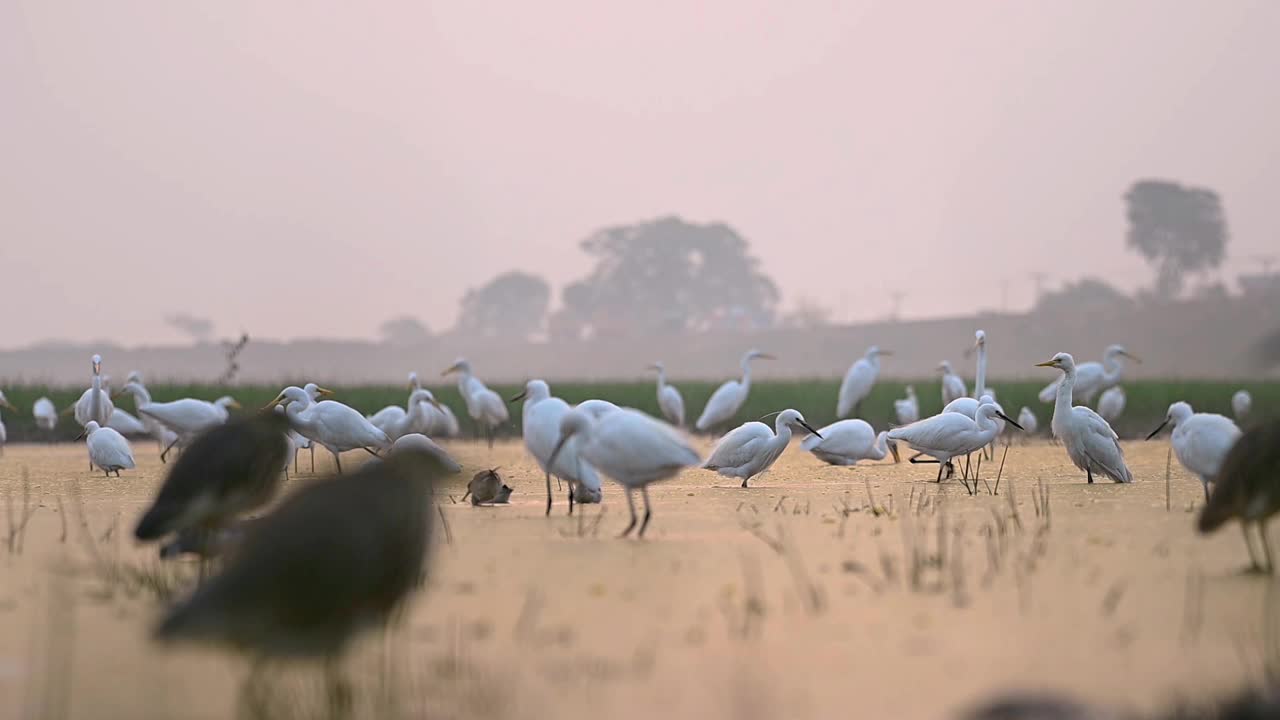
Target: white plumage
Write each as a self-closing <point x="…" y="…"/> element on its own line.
<point x="422" y="443"/>
<point x="1111" y="403"/>
<point x="596" y="408"/>
<point x="1200" y="440"/>
<point x="949" y="434"/>
<point x="952" y="384"/>
<point x="540" y="426"/>
<point x="845" y="442"/>
<point x="725" y="402"/>
<point x="749" y="449"/>
<point x="1093" y="377"/>
<point x="1241" y="404"/>
<point x="4" y="434"/>
<point x="483" y="405"/>
<point x="95" y="403"/>
<point x="1027" y="419"/>
<point x="631" y="448"/>
<point x="142" y="398"/>
<point x="419" y="418"/>
<point x="1090" y="442"/>
<point x="907" y="409"/>
<point x="108" y="450"/>
<point x="670" y="402"/>
<point x="334" y="425"/>
<point x="45" y="413"/>
<point x="125" y="423"/>
<point x="858" y="381"/>
<point x="187" y="417"/>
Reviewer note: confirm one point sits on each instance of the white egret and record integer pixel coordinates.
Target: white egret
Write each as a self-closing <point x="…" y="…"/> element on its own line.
<point x="418" y="419"/>
<point x="1241" y="404"/>
<point x="951" y="434"/>
<point x="858" y="382"/>
<point x="448" y="425"/>
<point x="669" y="399"/>
<point x="141" y="396"/>
<point x="187" y="417"/>
<point x="45" y="413"/>
<point x="750" y="448"/>
<point x="1090" y="442"/>
<point x="540" y="426"/>
<point x="108" y="450"/>
<point x="952" y="384"/>
<point x="907" y="409"/>
<point x="1027" y="419"/>
<point x="631" y="448"/>
<point x="845" y="442"/>
<point x="125" y="423"/>
<point x="334" y="425"/>
<point x="596" y="408"/>
<point x="1093" y="377"/>
<point x="95" y="403"/>
<point x="968" y="406"/>
<point x="1200" y="440"/>
<point x="4" y="435"/>
<point x="1111" y="403"/>
<point x="725" y="402"/>
<point x="483" y="405"/>
<point x="422" y="443"/>
<point x="390" y="414"/>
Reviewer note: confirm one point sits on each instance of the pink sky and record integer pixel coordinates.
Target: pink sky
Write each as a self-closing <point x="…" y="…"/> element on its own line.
<point x="311" y="169"/>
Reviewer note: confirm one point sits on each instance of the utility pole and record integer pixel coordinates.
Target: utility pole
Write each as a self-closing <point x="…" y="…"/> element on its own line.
<point x="896" y="308"/>
<point x="1038" y="279"/>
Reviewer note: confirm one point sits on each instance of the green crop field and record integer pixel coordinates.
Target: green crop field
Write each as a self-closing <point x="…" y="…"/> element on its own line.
<point x="816" y="399"/>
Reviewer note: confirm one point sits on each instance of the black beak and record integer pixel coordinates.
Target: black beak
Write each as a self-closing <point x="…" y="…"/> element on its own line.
<point x="1008" y="419"/>
<point x="1157" y="430"/>
<point x="519" y="397"/>
<point x="82" y="435"/>
<point x="808" y="427"/>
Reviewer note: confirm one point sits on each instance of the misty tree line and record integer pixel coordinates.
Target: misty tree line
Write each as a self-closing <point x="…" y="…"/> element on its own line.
<point x="672" y="276"/>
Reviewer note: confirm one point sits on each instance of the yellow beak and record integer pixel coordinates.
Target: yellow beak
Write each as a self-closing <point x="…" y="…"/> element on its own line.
<point x="1047" y="363"/>
<point x="323" y="392"/>
<point x="274" y="403"/>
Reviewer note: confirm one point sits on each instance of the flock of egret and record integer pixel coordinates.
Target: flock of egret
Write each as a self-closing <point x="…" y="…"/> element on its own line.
<point x="577" y="445"/>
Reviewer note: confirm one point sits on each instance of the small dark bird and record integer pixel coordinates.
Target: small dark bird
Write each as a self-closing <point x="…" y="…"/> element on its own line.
<point x="334" y="558"/>
<point x="228" y="470"/>
<point x="1248" y="488"/>
<point x="487" y="488"/>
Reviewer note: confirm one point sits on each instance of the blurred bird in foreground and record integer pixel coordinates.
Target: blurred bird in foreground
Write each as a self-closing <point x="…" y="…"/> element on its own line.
<point x="1247" y="488"/>
<point x="228" y="470"/>
<point x="334" y="558"/>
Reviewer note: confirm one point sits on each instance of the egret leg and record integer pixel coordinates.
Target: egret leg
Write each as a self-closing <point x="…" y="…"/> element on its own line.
<point x="1266" y="546"/>
<point x="631" y="504"/>
<point x="548" y="492"/>
<point x="967" y="458"/>
<point x="338" y="461"/>
<point x="1254" y="565"/>
<point x="951" y="470"/>
<point x="313" y="456"/>
<point x="977" y="470"/>
<point x="1090" y="474"/>
<point x="941" y="467"/>
<point x="1206" y="492"/>
<point x="295" y="460"/>
<point x="488" y="434"/>
<point x="165" y="452"/>
<point x="644" y="490"/>
<point x="744" y="480"/>
<point x="570" y="498"/>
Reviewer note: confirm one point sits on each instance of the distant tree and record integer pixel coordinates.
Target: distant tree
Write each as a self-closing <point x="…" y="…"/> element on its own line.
<point x="667" y="275"/>
<point x="512" y="305"/>
<point x="1176" y="229"/>
<point x="199" y="329"/>
<point x="1083" y="298"/>
<point x="404" y="330"/>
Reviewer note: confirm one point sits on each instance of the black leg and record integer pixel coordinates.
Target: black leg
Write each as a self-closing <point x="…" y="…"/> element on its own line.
<point x="295" y="460"/>
<point x="313" y="456"/>
<point x="941" y="467"/>
<point x="548" y="493"/>
<point x="644" y="490"/>
<point x="165" y="452"/>
<point x="338" y="460"/>
<point x="570" y="498"/>
<point x="1254" y="565"/>
<point x="631" y="503"/>
<point x="1090" y="472"/>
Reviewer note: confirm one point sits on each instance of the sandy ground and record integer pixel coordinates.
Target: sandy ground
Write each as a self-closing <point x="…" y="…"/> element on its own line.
<point x="789" y="599"/>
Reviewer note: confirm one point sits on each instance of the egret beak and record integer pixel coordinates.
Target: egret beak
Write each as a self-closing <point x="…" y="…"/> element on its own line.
<point x="97" y="368"/>
<point x="70" y="409"/>
<point x="83" y="434"/>
<point x="766" y="356"/>
<point x="274" y="403"/>
<point x="234" y="405"/>
<point x="886" y="352"/>
<point x="434" y="403"/>
<point x="1009" y="420"/>
<point x="518" y="398"/>
<point x="446" y="371"/>
<point x="1134" y="358"/>
<point x="809" y="427"/>
<point x="118" y="393"/>
<point x="411" y="388"/>
<point x="9" y="405"/>
<point x="893" y="448"/>
<point x="1158" y="429"/>
<point x="652" y="367"/>
<point x="941" y="368"/>
<point x="323" y="392"/>
<point x="1047" y="363"/>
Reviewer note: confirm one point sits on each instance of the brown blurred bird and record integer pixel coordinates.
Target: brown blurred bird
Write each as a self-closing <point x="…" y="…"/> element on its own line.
<point x="334" y="558"/>
<point x="487" y="488"/>
<point x="1248" y="487"/>
<point x="226" y="471"/>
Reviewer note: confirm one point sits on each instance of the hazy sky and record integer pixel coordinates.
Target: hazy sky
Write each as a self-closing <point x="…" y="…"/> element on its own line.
<point x="312" y="168"/>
